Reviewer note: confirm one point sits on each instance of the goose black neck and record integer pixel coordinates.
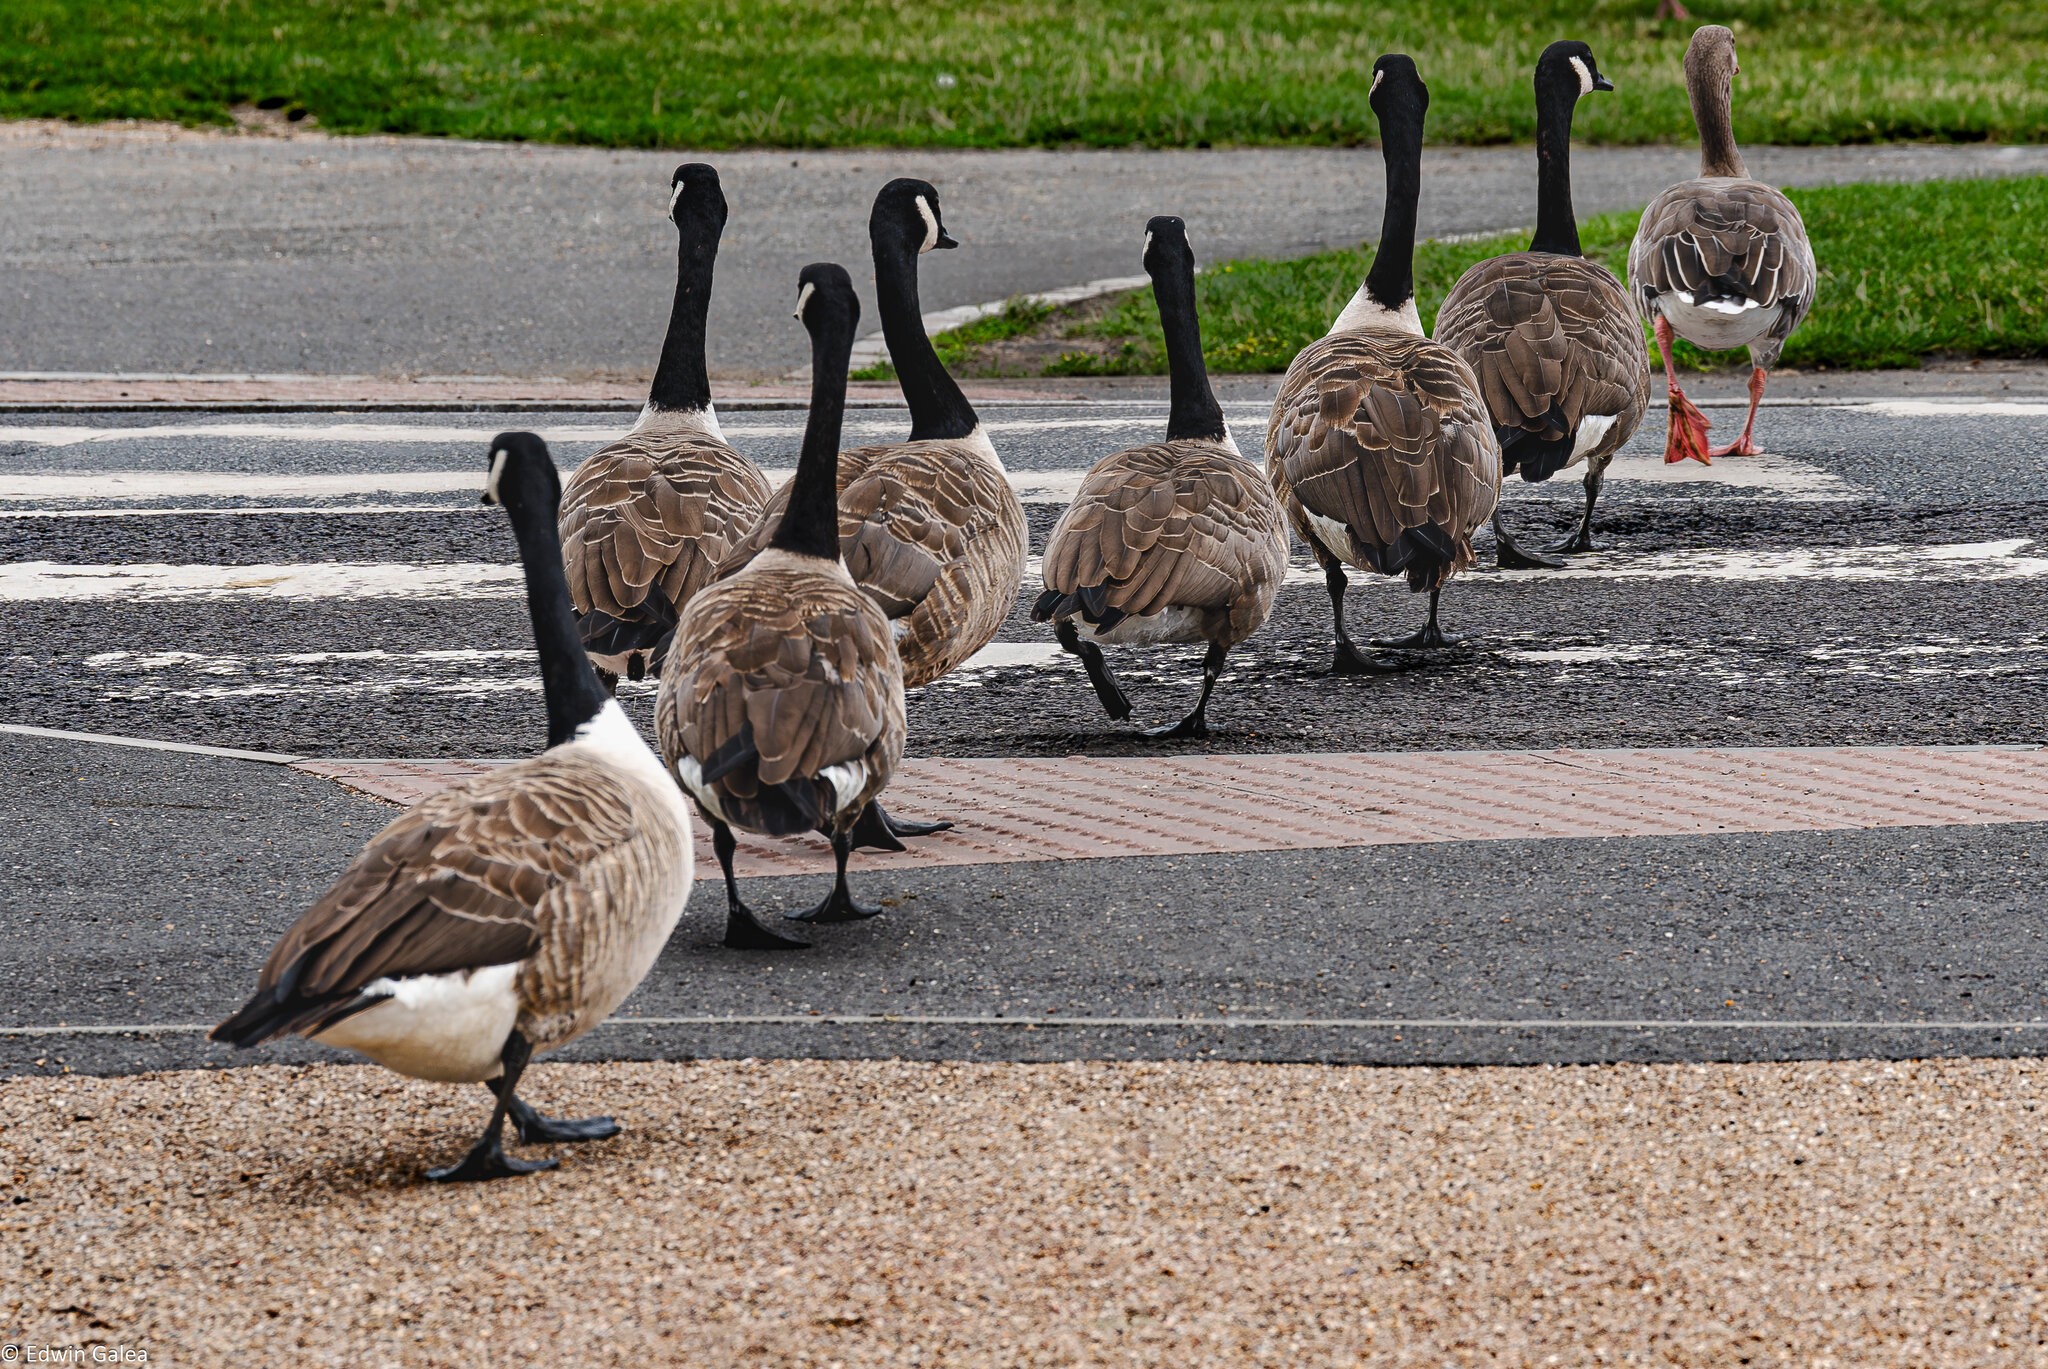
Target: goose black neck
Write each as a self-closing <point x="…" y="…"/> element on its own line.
<point x="680" y="381"/>
<point x="1195" y="412"/>
<point x="1392" y="277"/>
<point x="1557" y="228"/>
<point x="570" y="688"/>
<point x="937" y="408"/>
<point x="810" y="525"/>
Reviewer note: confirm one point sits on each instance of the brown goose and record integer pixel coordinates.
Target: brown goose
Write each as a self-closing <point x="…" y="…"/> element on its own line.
<point x="1178" y="541"/>
<point x="781" y="704"/>
<point x="1554" y="339"/>
<point x="1721" y="261"/>
<point x="1379" y="445"/>
<point x="930" y="527"/>
<point x="647" y="520"/>
<point x="508" y="914"/>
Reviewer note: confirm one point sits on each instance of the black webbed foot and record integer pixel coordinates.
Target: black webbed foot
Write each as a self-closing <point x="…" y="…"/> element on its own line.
<point x="536" y="1128"/>
<point x="1426" y="638"/>
<point x="744" y="931"/>
<point x="1509" y="555"/>
<point x="1349" y="660"/>
<point x="1580" y="541"/>
<point x="839" y="906"/>
<point x="1193" y="725"/>
<point x="487" y="1160"/>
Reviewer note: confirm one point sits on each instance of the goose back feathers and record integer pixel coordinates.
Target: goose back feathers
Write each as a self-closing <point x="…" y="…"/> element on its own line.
<point x="647" y="520"/>
<point x="930" y="528"/>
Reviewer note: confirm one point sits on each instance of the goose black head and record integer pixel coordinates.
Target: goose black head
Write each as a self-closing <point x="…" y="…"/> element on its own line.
<point x="1397" y="87"/>
<point x="1710" y="58"/>
<point x="825" y="300"/>
<point x="695" y="196"/>
<point x="1568" y="66"/>
<point x="522" y="474"/>
<point x="1166" y="243"/>
<point x="906" y="216"/>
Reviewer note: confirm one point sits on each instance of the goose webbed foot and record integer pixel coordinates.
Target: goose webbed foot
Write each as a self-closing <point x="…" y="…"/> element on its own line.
<point x="1193" y="725"/>
<point x="537" y="1128"/>
<point x="1428" y="637"/>
<point x="1196" y="724"/>
<point x="839" y="905"/>
<point x="1744" y="445"/>
<point x="1349" y="660"/>
<point x="744" y="931"/>
<point x="1107" y="690"/>
<point x="1580" y="541"/>
<point x="880" y="830"/>
<point x="487" y="1158"/>
<point x="1509" y="554"/>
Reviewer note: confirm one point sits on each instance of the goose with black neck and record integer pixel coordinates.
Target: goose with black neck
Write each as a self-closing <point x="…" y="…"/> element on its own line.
<point x="1554" y="339"/>
<point x="929" y="527"/>
<point x="781" y="701"/>
<point x="1175" y="541"/>
<point x="647" y="520"/>
<point x="1378" y="446"/>
<point x="507" y="914"/>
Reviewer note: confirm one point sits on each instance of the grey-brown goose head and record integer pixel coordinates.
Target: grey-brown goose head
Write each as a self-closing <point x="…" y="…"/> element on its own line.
<point x="1710" y="72"/>
<point x="830" y="311"/>
<point x="1170" y="261"/>
<point x="522" y="478"/>
<point x="1400" y="101"/>
<point x="696" y="205"/>
<point x="905" y="223"/>
<point x="1565" y="72"/>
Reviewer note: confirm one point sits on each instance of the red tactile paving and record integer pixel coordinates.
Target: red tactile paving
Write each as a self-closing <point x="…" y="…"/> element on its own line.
<point x="1085" y="807"/>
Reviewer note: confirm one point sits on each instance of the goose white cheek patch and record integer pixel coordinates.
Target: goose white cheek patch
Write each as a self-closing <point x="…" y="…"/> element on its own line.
<point x="804" y="297"/>
<point x="931" y="225"/>
<point x="1585" y="76"/>
<point x="674" y="196"/>
<point x="497" y="473"/>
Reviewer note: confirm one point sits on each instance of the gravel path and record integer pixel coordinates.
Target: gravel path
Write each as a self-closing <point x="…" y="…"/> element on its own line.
<point x="883" y="1213"/>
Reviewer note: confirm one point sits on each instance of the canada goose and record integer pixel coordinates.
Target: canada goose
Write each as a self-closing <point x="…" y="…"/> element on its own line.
<point x="781" y="703"/>
<point x="1722" y="261"/>
<point x="929" y="527"/>
<point x="1379" y="445"/>
<point x="1554" y="339"/>
<point x="507" y="914"/>
<point x="647" y="520"/>
<point x="1176" y="541"/>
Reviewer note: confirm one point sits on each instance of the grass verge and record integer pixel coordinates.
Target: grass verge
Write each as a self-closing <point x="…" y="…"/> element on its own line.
<point x="1005" y="73"/>
<point x="1907" y="272"/>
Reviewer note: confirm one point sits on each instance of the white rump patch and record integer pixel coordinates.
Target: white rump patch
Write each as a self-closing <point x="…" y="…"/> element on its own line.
<point x="931" y="225"/>
<point x="1336" y="539"/>
<point x="447" y="1027"/>
<point x="847" y="780"/>
<point x="1164" y="628"/>
<point x="1592" y="427"/>
<point x="1585" y="76"/>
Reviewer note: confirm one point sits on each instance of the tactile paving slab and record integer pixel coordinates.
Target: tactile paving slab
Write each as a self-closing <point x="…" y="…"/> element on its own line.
<point x="1086" y="807"/>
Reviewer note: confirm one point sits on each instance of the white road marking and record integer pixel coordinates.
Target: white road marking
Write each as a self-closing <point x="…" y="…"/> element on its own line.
<point x="151" y="744"/>
<point x="52" y="581"/>
<point x="272" y="510"/>
<point x="1956" y="408"/>
<point x="1754" y="1024"/>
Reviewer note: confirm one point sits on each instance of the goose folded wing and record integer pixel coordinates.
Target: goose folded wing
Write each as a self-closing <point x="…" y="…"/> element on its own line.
<point x="1741" y="239"/>
<point x="1157" y="530"/>
<point x="459" y="883"/>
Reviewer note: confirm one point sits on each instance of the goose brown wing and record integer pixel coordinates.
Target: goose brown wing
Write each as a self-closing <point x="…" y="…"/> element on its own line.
<point x="934" y="534"/>
<point x="652" y="518"/>
<point x="1386" y="436"/>
<point x="1552" y="339"/>
<point x="1174" y="524"/>
<point x="1725" y="239"/>
<point x="472" y="877"/>
<point x="793" y="669"/>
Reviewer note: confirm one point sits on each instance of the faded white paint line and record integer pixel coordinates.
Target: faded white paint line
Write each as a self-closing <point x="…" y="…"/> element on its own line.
<point x="1780" y="474"/>
<point x="208" y="664"/>
<point x="2000" y="560"/>
<point x="1954" y="408"/>
<point x="151" y="744"/>
<point x="274" y="510"/>
<point x="44" y="581"/>
<point x="1011" y="655"/>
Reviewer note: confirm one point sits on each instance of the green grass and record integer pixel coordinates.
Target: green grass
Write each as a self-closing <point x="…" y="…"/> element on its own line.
<point x="958" y="347"/>
<point x="1003" y="73"/>
<point x="1906" y="272"/>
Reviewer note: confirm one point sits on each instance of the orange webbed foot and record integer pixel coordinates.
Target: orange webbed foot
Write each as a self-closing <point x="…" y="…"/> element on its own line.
<point x="1688" y="433"/>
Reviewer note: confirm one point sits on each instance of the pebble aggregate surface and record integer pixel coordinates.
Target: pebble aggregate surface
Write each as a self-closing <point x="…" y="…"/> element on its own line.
<point x="893" y="1213"/>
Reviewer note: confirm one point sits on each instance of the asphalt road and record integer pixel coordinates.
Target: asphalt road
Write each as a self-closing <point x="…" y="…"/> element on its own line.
<point x="146" y="251"/>
<point x="1880" y="579"/>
